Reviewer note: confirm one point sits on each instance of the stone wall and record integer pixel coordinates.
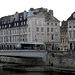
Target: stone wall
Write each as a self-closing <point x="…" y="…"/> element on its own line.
<point x="22" y="61"/>
<point x="61" y="59"/>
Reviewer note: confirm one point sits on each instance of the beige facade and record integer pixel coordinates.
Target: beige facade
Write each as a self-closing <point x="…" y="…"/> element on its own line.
<point x="64" y="36"/>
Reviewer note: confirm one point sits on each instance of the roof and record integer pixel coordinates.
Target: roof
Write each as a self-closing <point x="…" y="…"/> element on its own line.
<point x="64" y="25"/>
<point x="42" y="12"/>
<point x="72" y="17"/>
<point x="30" y="14"/>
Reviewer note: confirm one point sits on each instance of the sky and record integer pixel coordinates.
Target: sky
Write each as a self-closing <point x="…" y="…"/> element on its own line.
<point x="62" y="8"/>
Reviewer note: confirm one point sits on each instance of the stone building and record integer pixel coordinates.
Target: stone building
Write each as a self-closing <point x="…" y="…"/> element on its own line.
<point x="71" y="31"/>
<point x="37" y="26"/>
<point x="64" y="35"/>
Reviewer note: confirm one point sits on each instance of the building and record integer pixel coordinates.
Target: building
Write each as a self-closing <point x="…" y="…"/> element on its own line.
<point x="37" y="26"/>
<point x="64" y="35"/>
<point x="71" y="31"/>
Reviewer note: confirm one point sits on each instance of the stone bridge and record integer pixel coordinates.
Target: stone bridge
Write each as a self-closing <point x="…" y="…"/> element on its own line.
<point x="25" y="53"/>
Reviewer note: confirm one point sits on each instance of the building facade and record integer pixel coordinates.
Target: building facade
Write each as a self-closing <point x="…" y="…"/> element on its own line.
<point x="64" y="35"/>
<point x="37" y="26"/>
<point x="71" y="31"/>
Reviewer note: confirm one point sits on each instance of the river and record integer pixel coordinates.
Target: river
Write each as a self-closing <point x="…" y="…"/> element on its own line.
<point x="7" y="72"/>
<point x="11" y="72"/>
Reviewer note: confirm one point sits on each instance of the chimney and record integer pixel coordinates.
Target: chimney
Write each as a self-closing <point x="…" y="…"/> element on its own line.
<point x="25" y="14"/>
<point x="51" y="12"/>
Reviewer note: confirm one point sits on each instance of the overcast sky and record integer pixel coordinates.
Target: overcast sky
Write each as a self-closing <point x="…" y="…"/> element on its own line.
<point x="62" y="8"/>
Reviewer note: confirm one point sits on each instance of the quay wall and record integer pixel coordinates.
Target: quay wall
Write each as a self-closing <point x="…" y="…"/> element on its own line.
<point x="64" y="59"/>
<point x="22" y="61"/>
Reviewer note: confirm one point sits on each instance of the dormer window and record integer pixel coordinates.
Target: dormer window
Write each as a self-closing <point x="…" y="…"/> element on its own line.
<point x="5" y="26"/>
<point x="4" y="22"/>
<point x="9" y="25"/>
<point x="14" y="24"/>
<point x="20" y="18"/>
<point x="21" y="23"/>
<point x="14" y="19"/>
<point x="74" y="15"/>
<point x="24" y="22"/>
<point x="17" y="24"/>
<point x="8" y="21"/>
<point x="2" y="26"/>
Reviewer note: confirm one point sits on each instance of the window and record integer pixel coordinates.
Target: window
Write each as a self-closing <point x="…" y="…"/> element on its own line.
<point x="52" y="36"/>
<point x="56" y="36"/>
<point x="25" y="38"/>
<point x="62" y="40"/>
<point x="4" y="32"/>
<point x="20" y="18"/>
<point x="37" y="29"/>
<point x="24" y="22"/>
<point x="21" y="23"/>
<point x="9" y="25"/>
<point x="70" y="33"/>
<point x="8" y="21"/>
<point x="15" y="24"/>
<point x="2" y="26"/>
<point x="47" y="29"/>
<point x="14" y="19"/>
<point x="51" y="29"/>
<point x="74" y="34"/>
<point x="23" y="30"/>
<point x="73" y="26"/>
<point x="70" y="26"/>
<point x="51" y="23"/>
<point x="55" y="23"/>
<point x="42" y="29"/>
<point x="56" y="29"/>
<point x="4" y="22"/>
<point x="29" y="29"/>
<point x="47" y="23"/>
<point x="5" y="26"/>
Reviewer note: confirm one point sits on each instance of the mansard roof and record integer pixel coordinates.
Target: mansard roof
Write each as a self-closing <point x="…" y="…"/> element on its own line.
<point x="42" y="12"/>
<point x="72" y="17"/>
<point x="5" y="19"/>
<point x="30" y="14"/>
<point x="39" y="12"/>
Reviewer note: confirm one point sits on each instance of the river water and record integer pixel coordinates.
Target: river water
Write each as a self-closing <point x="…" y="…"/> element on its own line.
<point x="11" y="72"/>
<point x="7" y="72"/>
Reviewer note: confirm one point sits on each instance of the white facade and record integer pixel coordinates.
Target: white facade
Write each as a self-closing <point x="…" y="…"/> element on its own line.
<point x="32" y="29"/>
<point x="71" y="32"/>
<point x="42" y="31"/>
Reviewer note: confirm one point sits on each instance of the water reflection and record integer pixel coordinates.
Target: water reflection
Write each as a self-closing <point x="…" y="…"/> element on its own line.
<point x="43" y="73"/>
<point x="6" y="72"/>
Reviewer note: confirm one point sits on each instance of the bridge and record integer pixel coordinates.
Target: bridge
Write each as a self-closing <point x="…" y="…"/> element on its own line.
<point x="25" y="53"/>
